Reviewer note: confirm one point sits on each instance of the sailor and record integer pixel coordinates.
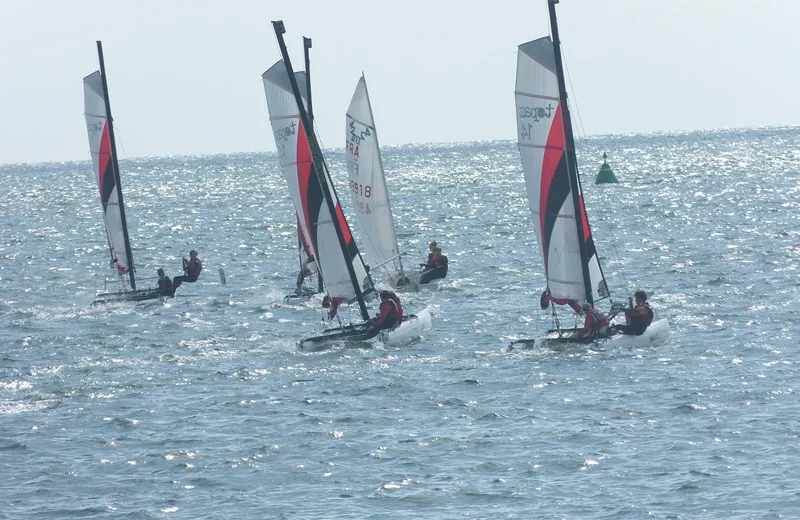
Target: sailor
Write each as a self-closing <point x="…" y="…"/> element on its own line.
<point x="165" y="287"/>
<point x="431" y="256"/>
<point x="387" y="316"/>
<point x="637" y="318"/>
<point x="436" y="267"/>
<point x="309" y="268"/>
<point x="396" y="300"/>
<point x="547" y="299"/>
<point x="595" y="324"/>
<point x="191" y="268"/>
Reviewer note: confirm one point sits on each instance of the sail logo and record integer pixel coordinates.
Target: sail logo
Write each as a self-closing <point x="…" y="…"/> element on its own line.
<point x="283" y="134"/>
<point x="536" y="113"/>
<point x="357" y="137"/>
<point x="94" y="127"/>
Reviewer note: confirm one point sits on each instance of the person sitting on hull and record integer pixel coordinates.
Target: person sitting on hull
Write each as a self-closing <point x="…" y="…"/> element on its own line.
<point x="595" y="324"/>
<point x="309" y="269"/>
<point x="165" y="286"/>
<point x="435" y="268"/>
<point x="388" y="316"/>
<point x="547" y="299"/>
<point x="638" y="317"/>
<point x="191" y="268"/>
<point x="396" y="300"/>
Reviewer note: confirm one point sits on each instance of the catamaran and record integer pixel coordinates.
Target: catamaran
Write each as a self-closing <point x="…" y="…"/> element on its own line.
<point x="555" y="197"/>
<point x="102" y="146"/>
<point x="371" y="196"/>
<point x="322" y="220"/>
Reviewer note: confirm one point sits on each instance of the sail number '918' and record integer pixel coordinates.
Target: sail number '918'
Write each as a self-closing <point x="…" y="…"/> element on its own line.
<point x="365" y="190"/>
<point x="362" y="190"/>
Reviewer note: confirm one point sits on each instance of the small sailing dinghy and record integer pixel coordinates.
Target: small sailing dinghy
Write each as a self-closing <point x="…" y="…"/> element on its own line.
<point x="371" y="196"/>
<point x="547" y="150"/>
<point x="322" y="220"/>
<point x="104" y="158"/>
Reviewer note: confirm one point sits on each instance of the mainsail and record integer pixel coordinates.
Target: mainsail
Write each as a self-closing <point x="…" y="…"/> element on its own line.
<point x="104" y="157"/>
<point x="307" y="193"/>
<point x="368" y="184"/>
<point x="551" y="177"/>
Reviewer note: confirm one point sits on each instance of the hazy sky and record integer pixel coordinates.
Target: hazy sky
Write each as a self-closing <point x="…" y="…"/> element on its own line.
<point x="185" y="76"/>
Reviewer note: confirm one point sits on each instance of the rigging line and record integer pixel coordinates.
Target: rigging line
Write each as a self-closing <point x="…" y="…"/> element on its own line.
<point x="616" y="252"/>
<point x="574" y="97"/>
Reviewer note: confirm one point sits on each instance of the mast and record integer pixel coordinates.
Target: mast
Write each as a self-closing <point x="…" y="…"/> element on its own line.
<point x="319" y="165"/>
<point x="115" y="165"/>
<point x="380" y="161"/>
<point x="572" y="160"/>
<point x="306" y="46"/>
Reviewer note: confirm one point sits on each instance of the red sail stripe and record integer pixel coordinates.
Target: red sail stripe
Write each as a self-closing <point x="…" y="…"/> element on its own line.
<point x="304" y="164"/>
<point x="348" y="238"/>
<point x="553" y="154"/>
<point x="104" y="158"/>
<point x="585" y="219"/>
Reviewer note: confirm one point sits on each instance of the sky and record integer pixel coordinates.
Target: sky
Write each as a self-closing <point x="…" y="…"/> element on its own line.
<point x="185" y="75"/>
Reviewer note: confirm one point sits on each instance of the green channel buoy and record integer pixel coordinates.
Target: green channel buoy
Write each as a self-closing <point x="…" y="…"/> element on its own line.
<point x="605" y="175"/>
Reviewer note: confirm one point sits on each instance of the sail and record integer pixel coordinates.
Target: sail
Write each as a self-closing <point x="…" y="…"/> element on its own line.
<point x="368" y="184"/>
<point x="294" y="154"/>
<point x="104" y="165"/>
<point x="543" y="149"/>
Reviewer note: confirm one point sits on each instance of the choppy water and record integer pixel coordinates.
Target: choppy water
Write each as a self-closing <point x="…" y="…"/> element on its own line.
<point x="202" y="407"/>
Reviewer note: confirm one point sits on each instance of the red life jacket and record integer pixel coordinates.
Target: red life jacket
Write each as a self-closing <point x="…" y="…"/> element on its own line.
<point x="399" y="307"/>
<point x="387" y="308"/>
<point x="600" y="321"/>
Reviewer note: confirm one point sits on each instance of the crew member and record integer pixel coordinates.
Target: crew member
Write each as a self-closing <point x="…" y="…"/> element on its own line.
<point x="595" y="324"/>
<point x="191" y="268"/>
<point x="387" y="316"/>
<point x="638" y="318"/>
<point x="165" y="287"/>
<point x="396" y="300"/>
<point x="435" y="268"/>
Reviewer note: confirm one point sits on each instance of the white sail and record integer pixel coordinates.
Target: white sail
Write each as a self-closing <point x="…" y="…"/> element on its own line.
<point x="543" y="148"/>
<point x="303" y="179"/>
<point x="100" y="148"/>
<point x="368" y="184"/>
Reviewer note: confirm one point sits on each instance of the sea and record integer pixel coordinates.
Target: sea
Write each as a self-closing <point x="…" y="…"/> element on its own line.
<point x="203" y="407"/>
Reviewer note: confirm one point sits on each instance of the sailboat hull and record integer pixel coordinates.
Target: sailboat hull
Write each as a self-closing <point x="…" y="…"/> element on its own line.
<point x="656" y="334"/>
<point x="126" y="296"/>
<point x="354" y="335"/>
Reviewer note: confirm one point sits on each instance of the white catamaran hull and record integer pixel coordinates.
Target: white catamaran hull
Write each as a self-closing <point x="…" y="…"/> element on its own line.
<point x="408" y="331"/>
<point x="656" y="334"/>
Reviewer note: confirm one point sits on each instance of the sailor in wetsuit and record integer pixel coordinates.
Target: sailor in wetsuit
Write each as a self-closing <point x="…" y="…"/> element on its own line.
<point x="595" y="324"/>
<point x="388" y="316"/>
<point x="191" y="267"/>
<point x="165" y="287"/>
<point x="436" y="267"/>
<point x="638" y="318"/>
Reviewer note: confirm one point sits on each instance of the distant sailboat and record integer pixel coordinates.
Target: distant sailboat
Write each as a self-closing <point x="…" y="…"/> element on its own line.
<point x="370" y="194"/>
<point x="547" y="149"/>
<point x="343" y="272"/>
<point x="605" y="175"/>
<point x="102" y="145"/>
